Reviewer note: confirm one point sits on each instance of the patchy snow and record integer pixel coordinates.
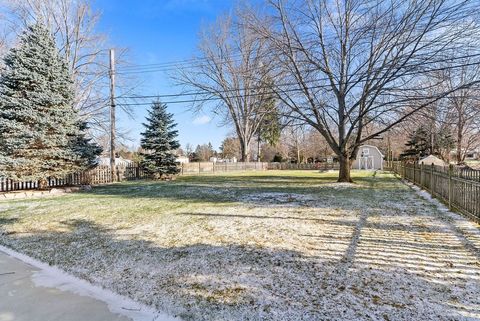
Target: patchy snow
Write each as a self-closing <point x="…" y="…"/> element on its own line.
<point x="366" y="251"/>
<point x="53" y="277"/>
<point x="340" y="186"/>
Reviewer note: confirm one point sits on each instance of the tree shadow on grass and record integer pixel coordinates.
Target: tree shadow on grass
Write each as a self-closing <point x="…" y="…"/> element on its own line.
<point x="200" y="281"/>
<point x="7" y="220"/>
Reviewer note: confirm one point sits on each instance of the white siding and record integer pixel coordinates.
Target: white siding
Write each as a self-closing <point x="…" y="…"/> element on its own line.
<point x="373" y="154"/>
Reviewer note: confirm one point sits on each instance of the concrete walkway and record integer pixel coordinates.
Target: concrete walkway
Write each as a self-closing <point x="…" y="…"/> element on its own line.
<point x="22" y="300"/>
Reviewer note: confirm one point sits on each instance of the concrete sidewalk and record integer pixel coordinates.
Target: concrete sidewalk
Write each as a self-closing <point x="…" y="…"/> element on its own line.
<point x="22" y="300"/>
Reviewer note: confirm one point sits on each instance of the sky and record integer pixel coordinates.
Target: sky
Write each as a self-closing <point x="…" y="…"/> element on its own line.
<point x="162" y="31"/>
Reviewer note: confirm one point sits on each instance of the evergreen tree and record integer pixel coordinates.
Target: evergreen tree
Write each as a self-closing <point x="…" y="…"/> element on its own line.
<point x="270" y="128"/>
<point x="38" y="126"/>
<point x="159" y="142"/>
<point x="86" y="151"/>
<point x="425" y="141"/>
<point x="418" y="145"/>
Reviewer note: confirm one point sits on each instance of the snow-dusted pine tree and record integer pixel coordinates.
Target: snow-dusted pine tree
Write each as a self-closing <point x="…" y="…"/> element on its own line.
<point x="159" y="142"/>
<point x="38" y="126"/>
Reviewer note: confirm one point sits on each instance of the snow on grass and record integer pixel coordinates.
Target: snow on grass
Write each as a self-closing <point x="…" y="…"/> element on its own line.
<point x="52" y="277"/>
<point x="280" y="245"/>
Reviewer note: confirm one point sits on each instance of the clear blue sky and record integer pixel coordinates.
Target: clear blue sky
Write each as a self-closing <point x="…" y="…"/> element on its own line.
<point x="158" y="31"/>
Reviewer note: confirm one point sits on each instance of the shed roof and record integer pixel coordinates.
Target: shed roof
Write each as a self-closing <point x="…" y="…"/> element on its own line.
<point x="432" y="159"/>
<point x="374" y="147"/>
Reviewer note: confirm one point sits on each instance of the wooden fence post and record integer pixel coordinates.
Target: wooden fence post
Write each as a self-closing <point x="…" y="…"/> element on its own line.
<point x="422" y="175"/>
<point x="414" y="171"/>
<point x="431" y="181"/>
<point x="450" y="187"/>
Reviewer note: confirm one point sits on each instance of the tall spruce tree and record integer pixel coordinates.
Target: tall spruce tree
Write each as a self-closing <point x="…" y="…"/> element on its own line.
<point x="159" y="142"/>
<point x="39" y="130"/>
<point x="425" y="141"/>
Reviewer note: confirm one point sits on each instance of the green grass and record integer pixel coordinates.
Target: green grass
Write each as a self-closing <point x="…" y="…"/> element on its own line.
<point x="143" y="200"/>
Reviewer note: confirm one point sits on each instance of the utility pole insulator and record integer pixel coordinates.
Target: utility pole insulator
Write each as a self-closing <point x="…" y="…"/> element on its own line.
<point x="112" y="114"/>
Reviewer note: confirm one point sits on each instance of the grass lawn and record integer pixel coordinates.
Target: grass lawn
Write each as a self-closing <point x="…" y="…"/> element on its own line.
<point x="276" y="245"/>
<point x="474" y="163"/>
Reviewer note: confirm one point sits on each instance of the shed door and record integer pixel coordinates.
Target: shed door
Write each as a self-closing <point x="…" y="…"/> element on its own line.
<point x="366" y="162"/>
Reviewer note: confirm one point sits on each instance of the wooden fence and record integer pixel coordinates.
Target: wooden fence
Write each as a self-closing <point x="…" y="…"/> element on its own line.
<point x="459" y="188"/>
<point x="210" y="167"/>
<point x="305" y="166"/>
<point x="98" y="175"/>
<point x="102" y="175"/>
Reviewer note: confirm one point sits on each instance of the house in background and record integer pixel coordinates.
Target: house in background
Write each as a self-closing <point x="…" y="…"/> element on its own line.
<point x="119" y="161"/>
<point x="214" y="159"/>
<point x="431" y="159"/>
<point x="182" y="159"/>
<point x="473" y="154"/>
<point x="369" y="158"/>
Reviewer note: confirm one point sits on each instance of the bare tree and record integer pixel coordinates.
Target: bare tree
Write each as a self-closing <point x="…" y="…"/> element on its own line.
<point x="316" y="147"/>
<point x="464" y="107"/>
<point x="434" y="118"/>
<point x="73" y="24"/>
<point x="232" y="71"/>
<point x="458" y="113"/>
<point x="294" y="136"/>
<point x="357" y="62"/>
<point x="188" y="149"/>
<point x="230" y="148"/>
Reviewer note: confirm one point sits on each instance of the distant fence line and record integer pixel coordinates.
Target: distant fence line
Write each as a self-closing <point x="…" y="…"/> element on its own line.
<point x="303" y="166"/>
<point x="459" y="188"/>
<point x="211" y="167"/>
<point x="102" y="174"/>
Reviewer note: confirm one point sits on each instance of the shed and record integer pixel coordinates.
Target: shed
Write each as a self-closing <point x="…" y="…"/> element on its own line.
<point x="182" y="160"/>
<point x="119" y="161"/>
<point x="369" y="158"/>
<point x="431" y="159"/>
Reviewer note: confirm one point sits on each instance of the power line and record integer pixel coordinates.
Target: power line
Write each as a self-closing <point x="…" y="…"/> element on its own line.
<point x="154" y="70"/>
<point x="205" y="92"/>
<point x="418" y="97"/>
<point x="173" y="63"/>
<point x="187" y="63"/>
<point x="218" y="98"/>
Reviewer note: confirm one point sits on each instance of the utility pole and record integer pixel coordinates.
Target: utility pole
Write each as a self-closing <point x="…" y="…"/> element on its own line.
<point x="112" y="114"/>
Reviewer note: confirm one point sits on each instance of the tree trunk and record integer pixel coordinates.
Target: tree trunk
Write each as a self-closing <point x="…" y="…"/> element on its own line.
<point x="258" y="147"/>
<point x="344" y="174"/>
<point x="459" y="151"/>
<point x="459" y="141"/>
<point x="245" y="150"/>
<point x="42" y="184"/>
